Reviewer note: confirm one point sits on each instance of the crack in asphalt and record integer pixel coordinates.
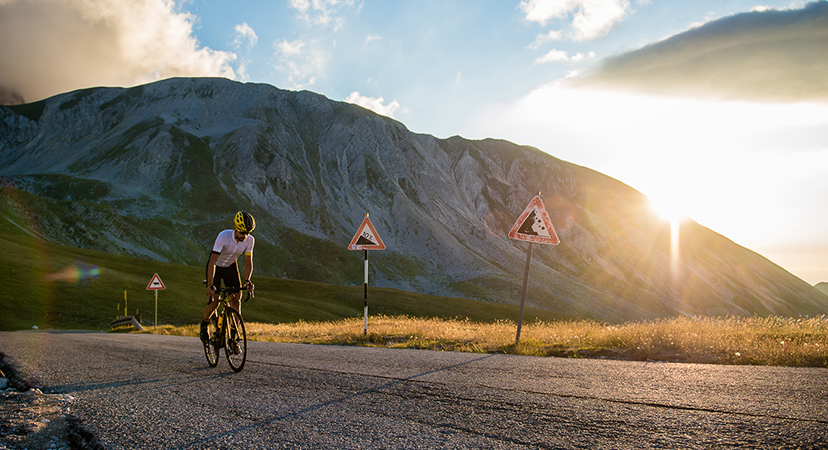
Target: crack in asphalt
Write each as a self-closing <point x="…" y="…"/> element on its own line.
<point x="396" y="381"/>
<point x="559" y="395"/>
<point x="257" y="424"/>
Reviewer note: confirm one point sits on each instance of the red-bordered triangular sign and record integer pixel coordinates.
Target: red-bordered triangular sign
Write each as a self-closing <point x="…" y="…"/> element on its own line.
<point x="366" y="237"/>
<point x="534" y="225"/>
<point x="155" y="284"/>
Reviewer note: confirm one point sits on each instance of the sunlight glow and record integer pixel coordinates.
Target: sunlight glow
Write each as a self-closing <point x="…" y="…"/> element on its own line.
<point x="675" y="251"/>
<point x="668" y="209"/>
<point x="671" y="211"/>
<point x="725" y="164"/>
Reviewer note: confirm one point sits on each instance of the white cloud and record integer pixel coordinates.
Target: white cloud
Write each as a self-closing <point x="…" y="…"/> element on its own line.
<point x="580" y="56"/>
<point x="553" y="35"/>
<point x="245" y="32"/>
<point x="372" y="38"/>
<point x="320" y="12"/>
<point x="562" y="56"/>
<point x="553" y="56"/>
<point x="241" y="71"/>
<point x="301" y="61"/>
<point x="289" y="48"/>
<point x="590" y="19"/>
<point x="53" y="46"/>
<point x="374" y="104"/>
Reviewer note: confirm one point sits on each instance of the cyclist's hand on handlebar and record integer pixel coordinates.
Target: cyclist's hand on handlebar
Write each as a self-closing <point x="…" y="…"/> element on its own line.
<point x="211" y="290"/>
<point x="248" y="286"/>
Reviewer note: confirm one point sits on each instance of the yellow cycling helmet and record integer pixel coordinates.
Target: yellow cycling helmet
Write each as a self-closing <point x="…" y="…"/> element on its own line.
<point x="244" y="222"/>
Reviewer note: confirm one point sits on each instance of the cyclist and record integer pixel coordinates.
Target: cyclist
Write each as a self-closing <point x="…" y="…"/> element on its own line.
<point x="222" y="265"/>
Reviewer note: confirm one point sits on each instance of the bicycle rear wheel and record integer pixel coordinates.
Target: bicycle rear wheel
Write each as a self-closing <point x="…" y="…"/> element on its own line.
<point x="236" y="340"/>
<point x="211" y="348"/>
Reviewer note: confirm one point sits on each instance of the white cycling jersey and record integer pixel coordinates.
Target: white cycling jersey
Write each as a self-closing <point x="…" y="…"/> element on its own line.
<point x="229" y="248"/>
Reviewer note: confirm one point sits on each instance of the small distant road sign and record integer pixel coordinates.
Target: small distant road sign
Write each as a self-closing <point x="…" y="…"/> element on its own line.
<point x="366" y="237"/>
<point x="534" y="225"/>
<point x="155" y="284"/>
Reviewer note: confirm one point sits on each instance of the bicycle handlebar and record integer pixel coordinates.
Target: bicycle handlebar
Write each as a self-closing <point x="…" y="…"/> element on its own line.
<point x="233" y="290"/>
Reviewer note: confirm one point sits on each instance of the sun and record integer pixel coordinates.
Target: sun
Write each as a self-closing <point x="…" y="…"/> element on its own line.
<point x="668" y="209"/>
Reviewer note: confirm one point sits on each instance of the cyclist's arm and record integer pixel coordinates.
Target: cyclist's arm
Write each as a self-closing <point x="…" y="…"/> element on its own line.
<point x="248" y="266"/>
<point x="211" y="271"/>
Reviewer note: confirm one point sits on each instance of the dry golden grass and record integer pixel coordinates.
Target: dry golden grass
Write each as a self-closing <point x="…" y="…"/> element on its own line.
<point x="760" y="341"/>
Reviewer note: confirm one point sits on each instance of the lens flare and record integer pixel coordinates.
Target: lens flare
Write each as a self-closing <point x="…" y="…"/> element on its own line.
<point x="75" y="273"/>
<point x="675" y="256"/>
<point x="671" y="211"/>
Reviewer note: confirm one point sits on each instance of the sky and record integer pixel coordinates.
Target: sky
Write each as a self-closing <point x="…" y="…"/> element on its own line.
<point x="715" y="109"/>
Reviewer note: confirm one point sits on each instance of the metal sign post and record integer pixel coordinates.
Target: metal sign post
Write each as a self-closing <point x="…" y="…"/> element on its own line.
<point x="523" y="295"/>
<point x="365" y="297"/>
<point x="366" y="238"/>
<point x="533" y="226"/>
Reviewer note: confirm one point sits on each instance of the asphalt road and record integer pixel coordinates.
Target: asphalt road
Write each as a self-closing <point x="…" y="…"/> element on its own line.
<point x="145" y="391"/>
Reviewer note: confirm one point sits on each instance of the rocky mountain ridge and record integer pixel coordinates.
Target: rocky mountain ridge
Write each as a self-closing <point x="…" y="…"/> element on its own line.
<point x="157" y="170"/>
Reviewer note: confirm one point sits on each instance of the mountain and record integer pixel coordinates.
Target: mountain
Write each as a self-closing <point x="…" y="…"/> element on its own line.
<point x="157" y="171"/>
<point x="822" y="287"/>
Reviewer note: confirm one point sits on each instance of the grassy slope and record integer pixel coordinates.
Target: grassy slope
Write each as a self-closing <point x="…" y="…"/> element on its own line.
<point x="31" y="299"/>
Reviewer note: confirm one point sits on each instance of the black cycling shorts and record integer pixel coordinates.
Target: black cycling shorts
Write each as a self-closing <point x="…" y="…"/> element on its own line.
<point x="230" y="276"/>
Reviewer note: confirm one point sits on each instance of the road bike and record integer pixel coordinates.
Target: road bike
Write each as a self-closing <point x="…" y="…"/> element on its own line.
<point x="225" y="329"/>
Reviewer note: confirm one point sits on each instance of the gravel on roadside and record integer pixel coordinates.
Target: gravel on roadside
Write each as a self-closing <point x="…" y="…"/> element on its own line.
<point x="33" y="420"/>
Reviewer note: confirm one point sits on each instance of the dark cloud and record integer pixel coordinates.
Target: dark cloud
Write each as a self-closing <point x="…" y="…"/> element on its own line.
<point x="10" y="97"/>
<point x="774" y="55"/>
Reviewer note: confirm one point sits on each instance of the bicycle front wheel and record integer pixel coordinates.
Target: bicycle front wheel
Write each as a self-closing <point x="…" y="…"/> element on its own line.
<point x="236" y="340"/>
<point x="211" y="346"/>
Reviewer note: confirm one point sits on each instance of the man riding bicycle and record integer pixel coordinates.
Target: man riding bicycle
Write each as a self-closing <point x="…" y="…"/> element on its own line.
<point x="222" y="265"/>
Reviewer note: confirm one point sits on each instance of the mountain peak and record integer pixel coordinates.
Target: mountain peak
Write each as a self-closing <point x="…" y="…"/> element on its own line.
<point x="156" y="171"/>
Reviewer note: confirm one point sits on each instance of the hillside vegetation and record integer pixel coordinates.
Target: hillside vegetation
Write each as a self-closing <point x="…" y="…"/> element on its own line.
<point x="57" y="287"/>
<point x="773" y="341"/>
<point x="54" y="286"/>
<point x="156" y="171"/>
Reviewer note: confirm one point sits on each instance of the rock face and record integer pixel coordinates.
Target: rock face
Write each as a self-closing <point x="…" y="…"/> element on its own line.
<point x="158" y="170"/>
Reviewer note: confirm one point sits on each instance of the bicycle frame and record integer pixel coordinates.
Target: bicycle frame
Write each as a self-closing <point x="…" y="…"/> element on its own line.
<point x="226" y="330"/>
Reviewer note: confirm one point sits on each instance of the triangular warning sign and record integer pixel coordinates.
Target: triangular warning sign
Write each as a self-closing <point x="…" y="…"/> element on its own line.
<point x="366" y="237"/>
<point x="534" y="225"/>
<point x="155" y="283"/>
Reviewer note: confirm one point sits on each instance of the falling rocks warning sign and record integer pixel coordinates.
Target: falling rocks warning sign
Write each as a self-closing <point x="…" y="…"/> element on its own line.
<point x="534" y="225"/>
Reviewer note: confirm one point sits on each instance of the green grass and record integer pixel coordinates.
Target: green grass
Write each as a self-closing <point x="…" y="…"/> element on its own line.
<point x="34" y="297"/>
<point x="42" y="288"/>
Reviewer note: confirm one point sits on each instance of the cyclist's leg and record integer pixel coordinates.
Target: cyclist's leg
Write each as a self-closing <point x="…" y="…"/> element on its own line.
<point x="205" y="316"/>
<point x="210" y="308"/>
<point x="235" y="302"/>
<point x="212" y="300"/>
<point x="212" y="304"/>
<point x="233" y="279"/>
